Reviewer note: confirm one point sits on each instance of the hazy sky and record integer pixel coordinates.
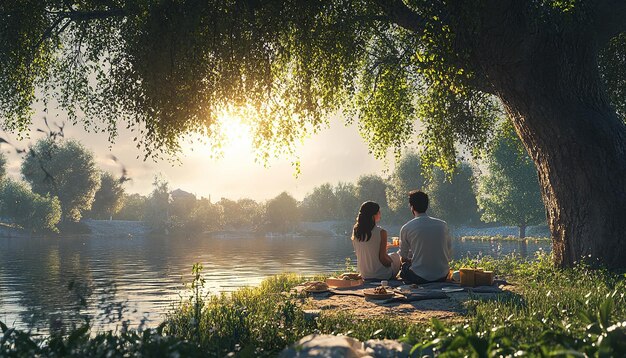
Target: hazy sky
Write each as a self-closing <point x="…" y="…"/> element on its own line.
<point x="333" y="155"/>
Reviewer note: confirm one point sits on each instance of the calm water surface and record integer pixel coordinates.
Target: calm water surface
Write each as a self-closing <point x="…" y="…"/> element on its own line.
<point x="46" y="282"/>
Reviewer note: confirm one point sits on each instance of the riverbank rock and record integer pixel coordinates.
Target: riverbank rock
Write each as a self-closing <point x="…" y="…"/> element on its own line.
<point x="324" y="345"/>
<point x="387" y="348"/>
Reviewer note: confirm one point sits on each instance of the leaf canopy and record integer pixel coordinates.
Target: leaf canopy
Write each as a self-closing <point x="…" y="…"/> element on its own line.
<point x="169" y="68"/>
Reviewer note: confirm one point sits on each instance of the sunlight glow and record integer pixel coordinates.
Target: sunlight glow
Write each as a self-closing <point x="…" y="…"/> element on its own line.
<point x="236" y="133"/>
<point x="233" y="139"/>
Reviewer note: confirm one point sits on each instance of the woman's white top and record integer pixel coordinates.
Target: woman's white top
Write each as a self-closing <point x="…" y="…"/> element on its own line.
<point x="367" y="257"/>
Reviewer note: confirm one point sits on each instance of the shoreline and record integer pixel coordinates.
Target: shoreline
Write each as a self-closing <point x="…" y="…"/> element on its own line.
<point x="121" y="228"/>
<point x="267" y="321"/>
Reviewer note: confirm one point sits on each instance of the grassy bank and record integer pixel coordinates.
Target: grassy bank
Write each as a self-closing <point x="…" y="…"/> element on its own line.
<point x="571" y="312"/>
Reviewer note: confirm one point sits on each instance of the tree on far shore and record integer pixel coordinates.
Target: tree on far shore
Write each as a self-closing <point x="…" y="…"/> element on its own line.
<point x="157" y="215"/>
<point x="453" y="198"/>
<point x="205" y="216"/>
<point x="243" y="214"/>
<point x="406" y="176"/>
<point x="281" y="213"/>
<point x="133" y="208"/>
<point x="372" y="187"/>
<point x="320" y="205"/>
<point x="65" y="169"/>
<point x="109" y="198"/>
<point x="27" y="209"/>
<point x="509" y="193"/>
<point x="347" y="201"/>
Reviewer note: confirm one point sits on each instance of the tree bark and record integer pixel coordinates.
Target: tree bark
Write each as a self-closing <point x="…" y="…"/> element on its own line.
<point x="553" y="93"/>
<point x="522" y="231"/>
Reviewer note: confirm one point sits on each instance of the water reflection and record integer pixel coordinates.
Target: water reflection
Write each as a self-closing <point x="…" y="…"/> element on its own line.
<point x="47" y="281"/>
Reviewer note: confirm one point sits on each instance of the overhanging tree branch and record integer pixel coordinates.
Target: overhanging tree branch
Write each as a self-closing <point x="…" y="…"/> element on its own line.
<point x="93" y="15"/>
<point x="75" y="16"/>
<point x="399" y="13"/>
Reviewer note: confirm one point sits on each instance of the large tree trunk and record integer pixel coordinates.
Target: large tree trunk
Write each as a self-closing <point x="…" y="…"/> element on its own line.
<point x="580" y="153"/>
<point x="553" y="93"/>
<point x="522" y="231"/>
<point x="542" y="65"/>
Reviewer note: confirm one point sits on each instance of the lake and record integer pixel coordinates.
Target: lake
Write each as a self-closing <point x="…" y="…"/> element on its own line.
<point x="56" y="282"/>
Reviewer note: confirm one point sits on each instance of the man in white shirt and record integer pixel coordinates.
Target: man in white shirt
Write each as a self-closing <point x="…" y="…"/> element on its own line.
<point x="425" y="244"/>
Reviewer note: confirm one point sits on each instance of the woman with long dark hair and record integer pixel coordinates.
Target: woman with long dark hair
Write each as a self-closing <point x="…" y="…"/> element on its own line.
<point x="370" y="245"/>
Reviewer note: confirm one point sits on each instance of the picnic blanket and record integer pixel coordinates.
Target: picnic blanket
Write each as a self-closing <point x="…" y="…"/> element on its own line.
<point x="428" y="291"/>
<point x="415" y="294"/>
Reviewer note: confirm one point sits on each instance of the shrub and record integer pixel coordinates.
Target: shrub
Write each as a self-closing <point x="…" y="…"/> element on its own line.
<point x="27" y="209"/>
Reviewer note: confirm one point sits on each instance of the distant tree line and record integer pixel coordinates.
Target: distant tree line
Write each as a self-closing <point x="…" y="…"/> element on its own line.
<point x="452" y="197"/>
<point x="166" y="211"/>
<point x="62" y="184"/>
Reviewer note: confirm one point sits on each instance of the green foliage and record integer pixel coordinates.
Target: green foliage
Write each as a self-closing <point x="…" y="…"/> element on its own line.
<point x="450" y="117"/>
<point x="205" y="216"/>
<point x="385" y="100"/>
<point x="347" y="201"/>
<point x="180" y="206"/>
<point x="156" y="216"/>
<point x="575" y="312"/>
<point x="372" y="187"/>
<point x="79" y="343"/>
<point x="27" y="209"/>
<point x="24" y="59"/>
<point x="281" y="213"/>
<point x="243" y="214"/>
<point x="509" y="193"/>
<point x="64" y="169"/>
<point x="170" y="68"/>
<point x="407" y="176"/>
<point x="181" y="211"/>
<point x="327" y="202"/>
<point x="232" y="213"/>
<point x="259" y="321"/>
<point x="109" y="198"/>
<point x="497" y="238"/>
<point x="452" y="197"/>
<point x="320" y="205"/>
<point x="166" y="69"/>
<point x="133" y="208"/>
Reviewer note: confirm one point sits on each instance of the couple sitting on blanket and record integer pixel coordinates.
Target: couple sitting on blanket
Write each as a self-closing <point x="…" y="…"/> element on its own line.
<point x="425" y="245"/>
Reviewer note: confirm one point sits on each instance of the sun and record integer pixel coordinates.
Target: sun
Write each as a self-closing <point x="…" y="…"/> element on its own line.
<point x="235" y="132"/>
<point x="232" y="139"/>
